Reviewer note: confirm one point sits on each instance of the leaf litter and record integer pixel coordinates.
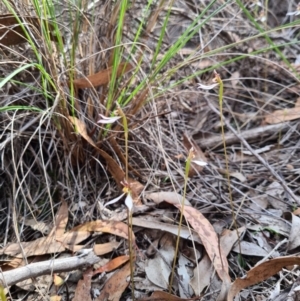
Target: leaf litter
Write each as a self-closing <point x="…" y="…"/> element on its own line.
<point x="155" y="143"/>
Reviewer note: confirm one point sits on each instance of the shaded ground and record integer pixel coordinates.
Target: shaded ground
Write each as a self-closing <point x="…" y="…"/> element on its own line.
<point x="43" y="161"/>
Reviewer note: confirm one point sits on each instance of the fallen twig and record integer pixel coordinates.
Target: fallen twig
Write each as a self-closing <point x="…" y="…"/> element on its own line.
<point x="230" y="138"/>
<point x="47" y="267"/>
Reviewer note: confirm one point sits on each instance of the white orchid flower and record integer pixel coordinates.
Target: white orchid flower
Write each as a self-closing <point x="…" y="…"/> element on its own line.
<point x="207" y="87"/>
<point x="200" y="163"/>
<point x="128" y="200"/>
<point x="108" y="120"/>
<point x="114" y="200"/>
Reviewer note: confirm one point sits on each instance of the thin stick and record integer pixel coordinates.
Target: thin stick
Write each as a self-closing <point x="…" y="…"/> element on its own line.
<point x="48" y="267"/>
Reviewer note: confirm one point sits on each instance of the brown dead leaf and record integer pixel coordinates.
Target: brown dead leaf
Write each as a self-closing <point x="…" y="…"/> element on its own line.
<point x="189" y="143"/>
<point x="117" y="228"/>
<point x="100" y="249"/>
<point x="40" y="246"/>
<point x="83" y="287"/>
<point x="279" y="116"/>
<point x="116" y="284"/>
<point x="73" y="238"/>
<point x="11" y="32"/>
<point x="112" y="265"/>
<point x="55" y="298"/>
<point x="171" y="197"/>
<point x="260" y="273"/>
<point x="57" y="280"/>
<point x="209" y="239"/>
<point x="164" y="296"/>
<point x="102" y="77"/>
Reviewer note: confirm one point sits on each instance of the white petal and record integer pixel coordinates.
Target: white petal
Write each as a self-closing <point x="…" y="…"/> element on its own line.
<point x="200" y="163"/>
<point x="107" y="120"/>
<point x="129" y="202"/>
<point x="114" y="200"/>
<point x="291" y="13"/>
<point x="207" y="87"/>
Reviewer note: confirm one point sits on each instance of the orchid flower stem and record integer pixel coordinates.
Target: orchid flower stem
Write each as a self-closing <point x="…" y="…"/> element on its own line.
<point x="125" y="126"/>
<point x="130" y="230"/>
<point x="186" y="177"/>
<point x="131" y="252"/>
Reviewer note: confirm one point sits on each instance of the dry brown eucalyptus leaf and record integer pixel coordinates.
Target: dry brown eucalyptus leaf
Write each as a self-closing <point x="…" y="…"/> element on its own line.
<point x="260" y="273"/>
<point x="83" y="287"/>
<point x="115" y="286"/>
<point x="209" y="239"/>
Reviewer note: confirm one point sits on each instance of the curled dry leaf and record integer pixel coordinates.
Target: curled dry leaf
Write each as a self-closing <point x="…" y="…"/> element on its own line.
<point x="112" y="265"/>
<point x="117" y="228"/>
<point x="12" y="33"/>
<point x="209" y="239"/>
<point x="260" y="273"/>
<point x="116" y="284"/>
<point x="101" y="78"/>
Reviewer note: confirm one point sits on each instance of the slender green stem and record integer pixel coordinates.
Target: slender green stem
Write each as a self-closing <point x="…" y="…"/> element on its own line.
<point x="125" y="125"/>
<point x="186" y="177"/>
<point x="128" y="192"/>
